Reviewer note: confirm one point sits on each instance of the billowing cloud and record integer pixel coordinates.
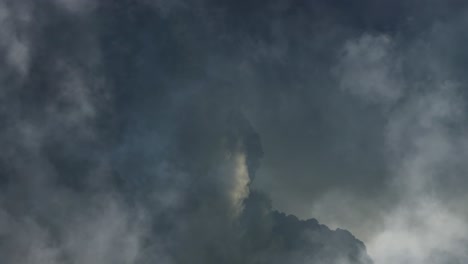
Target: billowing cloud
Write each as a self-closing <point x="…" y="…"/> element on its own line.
<point x="121" y="145"/>
<point x="179" y="132"/>
<point x="424" y="145"/>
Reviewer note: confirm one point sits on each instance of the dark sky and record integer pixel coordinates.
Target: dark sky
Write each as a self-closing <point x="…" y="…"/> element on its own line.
<point x="157" y="131"/>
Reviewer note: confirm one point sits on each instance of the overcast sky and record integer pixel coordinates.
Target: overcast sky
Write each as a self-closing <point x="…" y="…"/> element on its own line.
<point x="189" y="127"/>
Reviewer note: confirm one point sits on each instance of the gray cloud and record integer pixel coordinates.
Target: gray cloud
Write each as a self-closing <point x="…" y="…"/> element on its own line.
<point x="425" y="145"/>
<point x="126" y="143"/>
<point x="369" y="69"/>
<point x="155" y="131"/>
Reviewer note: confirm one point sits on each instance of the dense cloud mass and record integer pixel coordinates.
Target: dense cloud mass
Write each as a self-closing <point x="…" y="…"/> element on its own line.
<point x="157" y="131"/>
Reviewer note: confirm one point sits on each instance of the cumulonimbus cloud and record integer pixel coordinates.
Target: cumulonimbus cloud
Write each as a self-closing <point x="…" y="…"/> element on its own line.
<point x="106" y="160"/>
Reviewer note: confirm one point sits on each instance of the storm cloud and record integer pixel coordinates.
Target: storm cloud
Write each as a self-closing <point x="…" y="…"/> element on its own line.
<point x="153" y="131"/>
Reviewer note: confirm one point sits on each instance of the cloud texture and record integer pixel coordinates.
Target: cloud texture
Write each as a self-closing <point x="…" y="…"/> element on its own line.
<point x="124" y="141"/>
<point x="153" y="131"/>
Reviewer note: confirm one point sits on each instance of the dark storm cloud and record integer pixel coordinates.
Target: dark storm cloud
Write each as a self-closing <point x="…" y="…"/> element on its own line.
<point x="126" y="140"/>
<point x="148" y="131"/>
